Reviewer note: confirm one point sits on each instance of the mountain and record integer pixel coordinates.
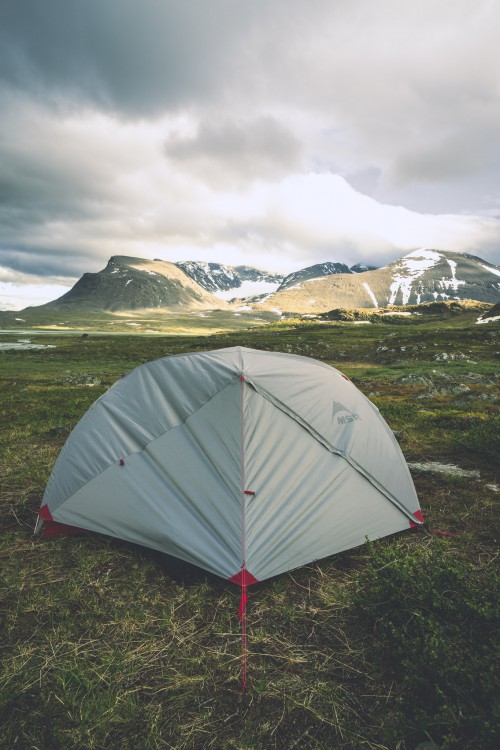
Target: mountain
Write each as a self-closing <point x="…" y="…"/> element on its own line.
<point x="421" y="276"/>
<point x="318" y="271"/>
<point x="133" y="283"/>
<point x="312" y="272"/>
<point x="361" y="268"/>
<point x="216" y="277"/>
<point x="128" y="284"/>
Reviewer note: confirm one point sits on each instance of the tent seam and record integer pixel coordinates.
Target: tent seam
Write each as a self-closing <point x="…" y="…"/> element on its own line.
<point x="329" y="447"/>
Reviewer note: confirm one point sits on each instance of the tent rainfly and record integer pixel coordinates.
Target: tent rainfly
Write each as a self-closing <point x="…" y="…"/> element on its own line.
<point x="246" y="463"/>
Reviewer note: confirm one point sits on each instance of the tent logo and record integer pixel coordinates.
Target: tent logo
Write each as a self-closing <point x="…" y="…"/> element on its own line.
<point x="349" y="418"/>
<point x="344" y="416"/>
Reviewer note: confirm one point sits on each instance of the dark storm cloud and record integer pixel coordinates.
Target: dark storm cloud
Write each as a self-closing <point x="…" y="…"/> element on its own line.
<point x="134" y="57"/>
<point x="44" y="262"/>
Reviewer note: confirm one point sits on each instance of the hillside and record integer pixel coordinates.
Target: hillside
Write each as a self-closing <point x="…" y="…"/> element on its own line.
<point x="421" y="276"/>
<point x="129" y="283"/>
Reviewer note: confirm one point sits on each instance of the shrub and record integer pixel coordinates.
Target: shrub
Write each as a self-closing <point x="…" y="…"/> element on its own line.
<point x="433" y="619"/>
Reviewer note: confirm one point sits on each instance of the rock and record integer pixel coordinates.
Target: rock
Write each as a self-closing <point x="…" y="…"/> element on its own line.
<point x="476" y="377"/>
<point x="450" y="390"/>
<point x="486" y="397"/>
<point x="61" y="429"/>
<point x="442" y="374"/>
<point x="435" y="467"/>
<point x="81" y="379"/>
<point x="413" y="380"/>
<point x="444" y="356"/>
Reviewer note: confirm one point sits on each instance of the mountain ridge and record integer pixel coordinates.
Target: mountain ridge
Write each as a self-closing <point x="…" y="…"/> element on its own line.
<point x="216" y="277"/>
<point x="420" y="276"/>
<point x="425" y="275"/>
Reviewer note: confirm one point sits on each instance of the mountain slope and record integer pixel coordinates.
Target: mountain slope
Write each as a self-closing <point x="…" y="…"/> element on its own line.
<point x="133" y="283"/>
<point x="312" y="272"/>
<point x="319" y="270"/>
<point x="217" y="277"/>
<point x="421" y="276"/>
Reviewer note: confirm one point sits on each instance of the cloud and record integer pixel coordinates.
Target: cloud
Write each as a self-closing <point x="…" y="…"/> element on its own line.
<point x="276" y="133"/>
<point x="320" y="217"/>
<point x="20" y="290"/>
<point x="233" y="152"/>
<point x="136" y="59"/>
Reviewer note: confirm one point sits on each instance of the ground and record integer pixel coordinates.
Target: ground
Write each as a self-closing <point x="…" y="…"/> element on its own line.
<point x="386" y="646"/>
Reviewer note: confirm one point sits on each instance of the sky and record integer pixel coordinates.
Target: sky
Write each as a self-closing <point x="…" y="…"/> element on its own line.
<point x="274" y="133"/>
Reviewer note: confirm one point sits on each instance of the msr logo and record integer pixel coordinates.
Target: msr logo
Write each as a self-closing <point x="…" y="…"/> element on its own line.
<point x="348" y="419"/>
<point x="342" y="414"/>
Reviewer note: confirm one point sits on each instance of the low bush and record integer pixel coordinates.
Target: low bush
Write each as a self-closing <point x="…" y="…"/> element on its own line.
<point x="433" y="619"/>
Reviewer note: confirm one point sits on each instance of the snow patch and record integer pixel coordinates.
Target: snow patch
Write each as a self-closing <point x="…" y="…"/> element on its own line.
<point x="371" y="295"/>
<point x="422" y="259"/>
<point x="496" y="271"/>
<point x="247" y="289"/>
<point x="26" y="345"/>
<point x="479" y="321"/>
<point x="452" y="283"/>
<point x="397" y="313"/>
<point x="404" y="283"/>
<point x="412" y="265"/>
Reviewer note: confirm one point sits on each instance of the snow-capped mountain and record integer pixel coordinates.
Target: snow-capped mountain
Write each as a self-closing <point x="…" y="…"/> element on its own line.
<point x="133" y="283"/>
<point x="319" y="270"/>
<point x="421" y="276"/>
<point x="230" y="281"/>
<point x="361" y="268"/>
<point x="128" y="283"/>
<point x="312" y="272"/>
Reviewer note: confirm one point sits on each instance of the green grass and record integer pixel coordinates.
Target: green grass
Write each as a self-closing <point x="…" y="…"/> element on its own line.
<point x="108" y="645"/>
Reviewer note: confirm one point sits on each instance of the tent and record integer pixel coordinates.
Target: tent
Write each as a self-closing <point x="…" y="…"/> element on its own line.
<point x="246" y="463"/>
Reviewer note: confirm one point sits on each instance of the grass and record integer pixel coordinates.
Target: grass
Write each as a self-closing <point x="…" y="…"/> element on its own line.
<point x="108" y="645"/>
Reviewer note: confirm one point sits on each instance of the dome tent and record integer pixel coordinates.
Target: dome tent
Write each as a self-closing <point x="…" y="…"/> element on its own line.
<point x="246" y="463"/>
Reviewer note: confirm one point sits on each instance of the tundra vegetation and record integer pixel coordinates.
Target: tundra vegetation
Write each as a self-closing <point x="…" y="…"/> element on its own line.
<point x="389" y="646"/>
